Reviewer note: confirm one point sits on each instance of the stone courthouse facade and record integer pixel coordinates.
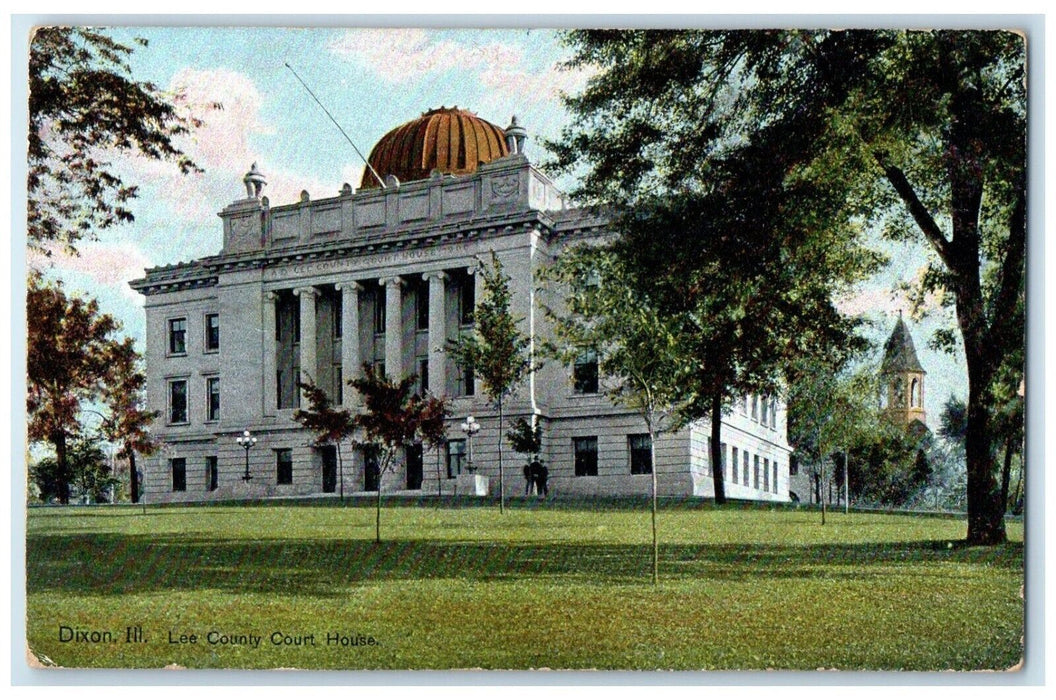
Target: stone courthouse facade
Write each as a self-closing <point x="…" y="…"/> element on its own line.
<point x="386" y="275"/>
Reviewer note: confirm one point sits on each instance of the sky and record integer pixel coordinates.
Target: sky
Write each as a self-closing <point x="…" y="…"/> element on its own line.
<point x="371" y="80"/>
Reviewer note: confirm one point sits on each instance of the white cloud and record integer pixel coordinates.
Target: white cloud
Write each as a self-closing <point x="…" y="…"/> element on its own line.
<point x="890" y="300"/>
<point x="401" y="55"/>
<point x="110" y="265"/>
<point x="223" y="147"/>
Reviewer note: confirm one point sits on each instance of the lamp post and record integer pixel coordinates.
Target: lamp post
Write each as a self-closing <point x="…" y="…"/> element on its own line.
<point x="470" y="428"/>
<point x="246" y="441"/>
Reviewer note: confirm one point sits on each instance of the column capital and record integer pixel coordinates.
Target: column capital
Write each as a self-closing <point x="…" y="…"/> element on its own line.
<point x="351" y="285"/>
<point x="395" y="280"/>
<point x="300" y="291"/>
<point x="434" y="274"/>
<point x="271" y="296"/>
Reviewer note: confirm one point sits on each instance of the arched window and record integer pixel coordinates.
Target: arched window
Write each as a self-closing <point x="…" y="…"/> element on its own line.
<point x="914" y="393"/>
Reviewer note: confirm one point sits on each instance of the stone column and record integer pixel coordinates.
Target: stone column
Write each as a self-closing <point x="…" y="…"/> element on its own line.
<point x="393" y="327"/>
<point x="350" y="355"/>
<point x="309" y="366"/>
<point x="437" y="332"/>
<point x="270" y="388"/>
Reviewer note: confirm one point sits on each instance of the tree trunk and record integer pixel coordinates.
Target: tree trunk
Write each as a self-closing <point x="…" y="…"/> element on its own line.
<point x="656" y="545"/>
<point x="133" y="476"/>
<point x="340" y="472"/>
<point x="717" y="475"/>
<point x="1006" y="471"/>
<point x="62" y="461"/>
<point x="377" y="510"/>
<point x="502" y="490"/>
<point x="986" y="513"/>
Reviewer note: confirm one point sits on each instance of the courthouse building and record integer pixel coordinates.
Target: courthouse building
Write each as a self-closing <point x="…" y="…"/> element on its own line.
<point x="385" y="274"/>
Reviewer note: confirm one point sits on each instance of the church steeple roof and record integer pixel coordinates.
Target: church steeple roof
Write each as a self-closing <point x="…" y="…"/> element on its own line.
<point x="900" y="355"/>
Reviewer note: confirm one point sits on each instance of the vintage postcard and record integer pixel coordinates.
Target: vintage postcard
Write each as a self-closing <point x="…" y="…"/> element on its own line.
<point x="520" y="349"/>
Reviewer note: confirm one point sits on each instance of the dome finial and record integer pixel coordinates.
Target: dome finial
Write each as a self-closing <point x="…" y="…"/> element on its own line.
<point x="515" y="136"/>
<point x="254" y="182"/>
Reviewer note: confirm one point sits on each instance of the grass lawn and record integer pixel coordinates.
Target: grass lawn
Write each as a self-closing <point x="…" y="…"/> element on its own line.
<point x="559" y="587"/>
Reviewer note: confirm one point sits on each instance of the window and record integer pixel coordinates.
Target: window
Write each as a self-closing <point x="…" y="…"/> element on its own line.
<point x="379" y="312"/>
<point x="336" y="315"/>
<point x="456" y="457"/>
<point x="339" y="386"/>
<point x="766" y="473"/>
<point x="745" y="481"/>
<point x="178" y="401"/>
<point x="177" y="336"/>
<point x="765" y="418"/>
<point x="773" y="413"/>
<point x="421" y="306"/>
<point x="722" y="457"/>
<point x="467" y="382"/>
<point x="283" y="466"/>
<point x="756" y="480"/>
<point x="736" y="465"/>
<point x="585" y="373"/>
<point x="466" y="301"/>
<point x="586" y="453"/>
<point x="793" y="465"/>
<point x="914" y="393"/>
<point x="773" y="465"/>
<point x="178" y="466"/>
<point x="212" y="332"/>
<point x="211" y="473"/>
<point x="755" y="408"/>
<point x="212" y="390"/>
<point x="641" y="449"/>
<point x="423" y="375"/>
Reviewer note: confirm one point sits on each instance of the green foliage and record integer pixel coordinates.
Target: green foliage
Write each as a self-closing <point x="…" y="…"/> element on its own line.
<point x="526" y="439"/>
<point x="87" y="470"/>
<point x="496" y="351"/>
<point x="778" y="150"/>
<point x="85" y="107"/>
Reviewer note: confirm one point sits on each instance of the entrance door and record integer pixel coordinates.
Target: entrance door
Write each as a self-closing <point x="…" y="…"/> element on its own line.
<point x="370" y="470"/>
<point x="328" y="455"/>
<point x="414" y="467"/>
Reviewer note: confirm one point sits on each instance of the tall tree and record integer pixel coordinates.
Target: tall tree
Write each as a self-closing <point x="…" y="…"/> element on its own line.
<point x="330" y="425"/>
<point x="496" y="351"/>
<point x="732" y="241"/>
<point x="394" y="418"/>
<point x="70" y="361"/>
<point x="922" y="133"/>
<point x="639" y="358"/>
<point x="128" y="421"/>
<point x="85" y="107"/>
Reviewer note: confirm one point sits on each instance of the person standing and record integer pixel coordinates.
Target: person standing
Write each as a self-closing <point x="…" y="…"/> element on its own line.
<point x="542" y="488"/>
<point x="529" y="478"/>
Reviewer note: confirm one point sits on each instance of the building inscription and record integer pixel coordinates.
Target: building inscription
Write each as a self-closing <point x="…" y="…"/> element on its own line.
<point x="345" y="264"/>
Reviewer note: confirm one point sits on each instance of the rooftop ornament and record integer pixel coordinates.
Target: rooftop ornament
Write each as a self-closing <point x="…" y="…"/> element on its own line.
<point x="254" y="181"/>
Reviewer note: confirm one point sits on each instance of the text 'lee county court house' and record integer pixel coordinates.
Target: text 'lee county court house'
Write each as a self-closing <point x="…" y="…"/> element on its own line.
<point x="386" y="275"/>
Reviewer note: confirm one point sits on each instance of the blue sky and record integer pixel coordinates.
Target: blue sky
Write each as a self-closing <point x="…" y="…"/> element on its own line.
<point x="371" y="81"/>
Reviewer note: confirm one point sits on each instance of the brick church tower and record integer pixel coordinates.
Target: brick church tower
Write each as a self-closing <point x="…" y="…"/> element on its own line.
<point x="902" y="377"/>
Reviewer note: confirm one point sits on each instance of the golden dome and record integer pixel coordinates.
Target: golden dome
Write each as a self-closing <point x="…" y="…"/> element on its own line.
<point x="450" y="140"/>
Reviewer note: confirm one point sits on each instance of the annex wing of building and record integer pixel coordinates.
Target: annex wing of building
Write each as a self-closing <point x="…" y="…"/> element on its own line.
<point x="386" y="274"/>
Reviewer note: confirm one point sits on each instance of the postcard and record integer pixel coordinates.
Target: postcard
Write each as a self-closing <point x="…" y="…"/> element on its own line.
<point x="525" y="349"/>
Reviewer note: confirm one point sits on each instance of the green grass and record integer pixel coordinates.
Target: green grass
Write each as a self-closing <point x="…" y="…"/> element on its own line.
<point x="555" y="587"/>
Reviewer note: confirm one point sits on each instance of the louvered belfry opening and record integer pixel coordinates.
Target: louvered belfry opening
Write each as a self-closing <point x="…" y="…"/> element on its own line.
<point x="451" y="140"/>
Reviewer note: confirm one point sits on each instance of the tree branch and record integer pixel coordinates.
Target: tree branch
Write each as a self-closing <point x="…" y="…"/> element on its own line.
<point x="1011" y="270"/>
<point x="916" y="208"/>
